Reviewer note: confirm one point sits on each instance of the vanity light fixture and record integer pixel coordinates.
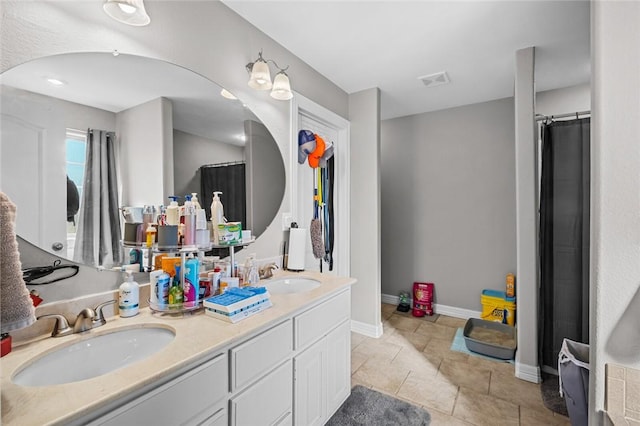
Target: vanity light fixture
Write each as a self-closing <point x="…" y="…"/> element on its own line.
<point x="130" y="12"/>
<point x="261" y="78"/>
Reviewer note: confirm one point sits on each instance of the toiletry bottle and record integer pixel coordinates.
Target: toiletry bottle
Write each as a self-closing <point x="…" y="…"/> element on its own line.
<point x="191" y="280"/>
<point x="159" y="287"/>
<point x="217" y="216"/>
<point x="128" y="298"/>
<point x="172" y="211"/>
<point x="194" y="200"/>
<point x="176" y="294"/>
<point x="189" y="223"/>
<point x="151" y="234"/>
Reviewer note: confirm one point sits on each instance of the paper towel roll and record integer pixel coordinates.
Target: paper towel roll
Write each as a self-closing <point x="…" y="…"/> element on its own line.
<point x="297" y="248"/>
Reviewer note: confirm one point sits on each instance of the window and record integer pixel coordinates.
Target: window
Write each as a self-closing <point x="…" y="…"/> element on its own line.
<point x="76" y="149"/>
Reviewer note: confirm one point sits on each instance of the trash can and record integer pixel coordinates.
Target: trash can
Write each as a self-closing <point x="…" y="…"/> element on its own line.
<point x="573" y="371"/>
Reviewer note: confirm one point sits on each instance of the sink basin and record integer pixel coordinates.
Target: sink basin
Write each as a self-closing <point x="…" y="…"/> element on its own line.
<point x="291" y="285"/>
<point x="94" y="356"/>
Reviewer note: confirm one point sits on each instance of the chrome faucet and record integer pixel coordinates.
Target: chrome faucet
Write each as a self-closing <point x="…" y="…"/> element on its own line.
<point x="266" y="271"/>
<point x="84" y="320"/>
<point x="61" y="327"/>
<point x="99" y="319"/>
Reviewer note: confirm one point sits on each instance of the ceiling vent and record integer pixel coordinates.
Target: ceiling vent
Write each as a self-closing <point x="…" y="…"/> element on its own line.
<point x="436" y="79"/>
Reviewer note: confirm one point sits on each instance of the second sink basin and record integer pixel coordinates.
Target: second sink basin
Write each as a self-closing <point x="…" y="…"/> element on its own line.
<point x="94" y="356"/>
<point x="291" y="285"/>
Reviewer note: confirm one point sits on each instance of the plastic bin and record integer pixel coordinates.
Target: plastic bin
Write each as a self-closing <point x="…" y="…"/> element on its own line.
<point x="573" y="371"/>
<point x="502" y="348"/>
<point x="496" y="306"/>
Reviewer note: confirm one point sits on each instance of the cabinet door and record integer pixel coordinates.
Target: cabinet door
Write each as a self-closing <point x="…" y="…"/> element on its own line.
<point x="310" y="385"/>
<point x="338" y="367"/>
<point x="265" y="402"/>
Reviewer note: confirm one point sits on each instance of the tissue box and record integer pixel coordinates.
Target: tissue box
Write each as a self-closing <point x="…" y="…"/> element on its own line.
<point x="229" y="233"/>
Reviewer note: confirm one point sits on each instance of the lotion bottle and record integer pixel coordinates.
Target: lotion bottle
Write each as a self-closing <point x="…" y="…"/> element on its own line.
<point x="194" y="200"/>
<point x="217" y="216"/>
<point x="129" y="297"/>
<point x="173" y="216"/>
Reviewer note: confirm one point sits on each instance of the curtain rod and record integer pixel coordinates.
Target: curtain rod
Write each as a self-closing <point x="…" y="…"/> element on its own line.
<point x="228" y="163"/>
<point x="540" y="117"/>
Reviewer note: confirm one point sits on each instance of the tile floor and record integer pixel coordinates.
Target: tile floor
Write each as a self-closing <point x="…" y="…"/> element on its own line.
<point x="412" y="361"/>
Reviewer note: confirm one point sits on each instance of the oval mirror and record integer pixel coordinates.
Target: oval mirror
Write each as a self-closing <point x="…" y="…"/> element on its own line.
<point x="174" y="130"/>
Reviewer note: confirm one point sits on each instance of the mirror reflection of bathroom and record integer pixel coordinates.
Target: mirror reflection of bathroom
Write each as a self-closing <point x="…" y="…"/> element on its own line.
<point x="163" y="130"/>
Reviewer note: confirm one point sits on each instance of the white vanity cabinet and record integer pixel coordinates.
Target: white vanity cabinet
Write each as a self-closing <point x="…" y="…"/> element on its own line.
<point x="296" y="371"/>
<point x="322" y="364"/>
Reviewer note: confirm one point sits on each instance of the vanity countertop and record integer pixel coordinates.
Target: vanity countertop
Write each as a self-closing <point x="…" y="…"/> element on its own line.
<point x="196" y="337"/>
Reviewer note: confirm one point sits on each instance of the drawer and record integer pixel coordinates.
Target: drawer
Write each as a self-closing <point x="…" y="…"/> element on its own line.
<point x="255" y="357"/>
<point x="267" y="402"/>
<point x="178" y="401"/>
<point x="316" y="322"/>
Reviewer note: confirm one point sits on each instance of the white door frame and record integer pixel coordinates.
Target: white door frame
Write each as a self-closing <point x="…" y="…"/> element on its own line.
<point x="301" y="105"/>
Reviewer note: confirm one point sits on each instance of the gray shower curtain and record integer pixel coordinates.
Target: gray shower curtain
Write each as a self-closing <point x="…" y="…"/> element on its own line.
<point x="98" y="234"/>
<point x="564" y="236"/>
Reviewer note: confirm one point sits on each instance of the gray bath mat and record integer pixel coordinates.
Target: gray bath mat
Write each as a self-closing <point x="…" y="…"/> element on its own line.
<point x="371" y="408"/>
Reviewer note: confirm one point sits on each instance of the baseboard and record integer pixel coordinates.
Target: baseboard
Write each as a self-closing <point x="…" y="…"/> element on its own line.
<point x="366" y="329"/>
<point x="528" y="372"/>
<point x="450" y="311"/>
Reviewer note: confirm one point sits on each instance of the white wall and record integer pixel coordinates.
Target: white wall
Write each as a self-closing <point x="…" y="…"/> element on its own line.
<point x="615" y="193"/>
<point x="142" y="136"/>
<point x="448" y="202"/>
<point x="365" y="205"/>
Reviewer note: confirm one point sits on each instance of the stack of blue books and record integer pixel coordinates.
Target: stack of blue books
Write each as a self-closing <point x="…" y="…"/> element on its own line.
<point x="236" y="304"/>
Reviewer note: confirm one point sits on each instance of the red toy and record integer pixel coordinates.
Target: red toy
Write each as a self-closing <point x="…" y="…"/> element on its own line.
<point x="422" y="299"/>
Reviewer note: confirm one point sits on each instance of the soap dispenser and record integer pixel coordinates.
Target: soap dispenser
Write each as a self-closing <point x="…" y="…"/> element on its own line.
<point x="129" y="297"/>
<point x="173" y="215"/>
<point x="194" y="201"/>
<point x="217" y="216"/>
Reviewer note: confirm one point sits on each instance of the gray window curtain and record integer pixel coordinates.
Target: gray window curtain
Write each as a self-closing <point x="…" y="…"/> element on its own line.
<point x="98" y="233"/>
<point x="564" y="236"/>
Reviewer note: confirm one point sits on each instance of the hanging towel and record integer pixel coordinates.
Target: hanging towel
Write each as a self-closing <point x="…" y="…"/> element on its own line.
<point x="16" y="308"/>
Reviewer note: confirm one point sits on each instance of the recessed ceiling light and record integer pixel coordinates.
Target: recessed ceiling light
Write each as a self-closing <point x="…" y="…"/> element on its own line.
<point x="226" y="94"/>
<point x="55" y="81"/>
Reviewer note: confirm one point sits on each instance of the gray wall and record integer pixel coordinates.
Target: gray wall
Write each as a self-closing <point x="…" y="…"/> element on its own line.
<point x="448" y="201"/>
<point x="526" y="217"/>
<point x="364" y="114"/>
<point x="191" y="150"/>
<point x="265" y="177"/>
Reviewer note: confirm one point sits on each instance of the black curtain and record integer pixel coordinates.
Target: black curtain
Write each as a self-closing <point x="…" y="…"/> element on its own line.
<point x="230" y="179"/>
<point x="564" y="236"/>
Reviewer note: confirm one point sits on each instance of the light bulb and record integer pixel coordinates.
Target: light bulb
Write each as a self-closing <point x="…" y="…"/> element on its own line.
<point x="128" y="9"/>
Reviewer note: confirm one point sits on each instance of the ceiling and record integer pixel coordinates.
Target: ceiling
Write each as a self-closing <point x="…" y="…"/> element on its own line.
<point x="117" y="83"/>
<point x="361" y="44"/>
